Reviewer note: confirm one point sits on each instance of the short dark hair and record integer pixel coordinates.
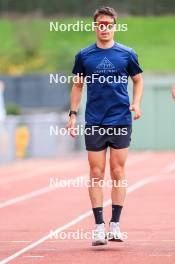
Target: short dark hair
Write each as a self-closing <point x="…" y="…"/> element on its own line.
<point x="106" y="10"/>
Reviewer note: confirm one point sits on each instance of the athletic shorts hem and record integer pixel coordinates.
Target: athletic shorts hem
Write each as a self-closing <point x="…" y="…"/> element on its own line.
<point x="96" y="149"/>
<point x="120" y="147"/>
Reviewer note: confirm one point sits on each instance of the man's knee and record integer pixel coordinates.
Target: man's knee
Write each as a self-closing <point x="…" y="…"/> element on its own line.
<point x="117" y="172"/>
<point x="97" y="173"/>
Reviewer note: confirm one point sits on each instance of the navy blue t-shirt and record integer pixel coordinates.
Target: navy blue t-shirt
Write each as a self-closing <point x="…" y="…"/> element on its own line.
<point x="107" y="99"/>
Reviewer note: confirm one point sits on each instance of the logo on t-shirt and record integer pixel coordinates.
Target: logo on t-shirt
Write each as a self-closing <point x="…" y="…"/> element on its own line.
<point x="105" y="64"/>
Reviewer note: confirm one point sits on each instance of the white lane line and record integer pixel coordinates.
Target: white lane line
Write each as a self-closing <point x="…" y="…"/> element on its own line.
<point x="33" y="256"/>
<point x="25" y="197"/>
<point x="47" y="249"/>
<point x="48" y="189"/>
<point x="81" y="217"/>
<point x="15" y="241"/>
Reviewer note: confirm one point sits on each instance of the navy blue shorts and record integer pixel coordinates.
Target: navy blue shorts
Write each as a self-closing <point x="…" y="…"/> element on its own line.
<point x="99" y="137"/>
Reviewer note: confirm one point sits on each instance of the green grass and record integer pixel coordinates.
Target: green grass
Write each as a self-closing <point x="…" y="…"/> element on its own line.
<point x="29" y="46"/>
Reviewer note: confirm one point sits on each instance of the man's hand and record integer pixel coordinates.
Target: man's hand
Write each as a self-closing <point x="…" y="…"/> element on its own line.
<point x="173" y="91"/>
<point x="71" y="125"/>
<point x="136" y="109"/>
<point x="137" y="95"/>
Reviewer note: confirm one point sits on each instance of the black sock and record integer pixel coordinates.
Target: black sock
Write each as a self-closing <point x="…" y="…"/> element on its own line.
<point x="116" y="211"/>
<point x="98" y="214"/>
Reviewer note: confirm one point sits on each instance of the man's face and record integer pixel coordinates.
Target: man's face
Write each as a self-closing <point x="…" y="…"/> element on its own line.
<point x="104" y="28"/>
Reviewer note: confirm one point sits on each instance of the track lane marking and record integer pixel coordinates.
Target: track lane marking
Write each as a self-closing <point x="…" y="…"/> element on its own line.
<point x="33" y="256"/>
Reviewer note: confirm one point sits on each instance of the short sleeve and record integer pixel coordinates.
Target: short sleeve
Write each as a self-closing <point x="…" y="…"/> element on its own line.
<point x="78" y="65"/>
<point x="133" y="66"/>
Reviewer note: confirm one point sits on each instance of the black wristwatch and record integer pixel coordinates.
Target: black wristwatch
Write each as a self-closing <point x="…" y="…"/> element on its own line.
<point x="72" y="112"/>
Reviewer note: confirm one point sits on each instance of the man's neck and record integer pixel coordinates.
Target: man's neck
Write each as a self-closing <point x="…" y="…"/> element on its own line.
<point x="105" y="44"/>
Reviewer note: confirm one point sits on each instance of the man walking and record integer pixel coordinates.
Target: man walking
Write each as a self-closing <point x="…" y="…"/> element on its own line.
<point x="108" y="65"/>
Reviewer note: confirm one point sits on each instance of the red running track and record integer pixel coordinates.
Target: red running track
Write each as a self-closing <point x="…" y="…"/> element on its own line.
<point x="30" y="209"/>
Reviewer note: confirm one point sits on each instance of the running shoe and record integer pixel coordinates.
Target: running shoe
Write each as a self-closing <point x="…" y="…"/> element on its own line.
<point x="99" y="236"/>
<point x="114" y="233"/>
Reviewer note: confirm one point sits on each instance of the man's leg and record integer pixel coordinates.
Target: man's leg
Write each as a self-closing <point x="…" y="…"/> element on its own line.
<point x="117" y="170"/>
<point x="97" y="162"/>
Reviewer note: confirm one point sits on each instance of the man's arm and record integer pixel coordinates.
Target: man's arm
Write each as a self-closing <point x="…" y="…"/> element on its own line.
<point x="137" y="95"/>
<point x="76" y="94"/>
<point x="173" y="91"/>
